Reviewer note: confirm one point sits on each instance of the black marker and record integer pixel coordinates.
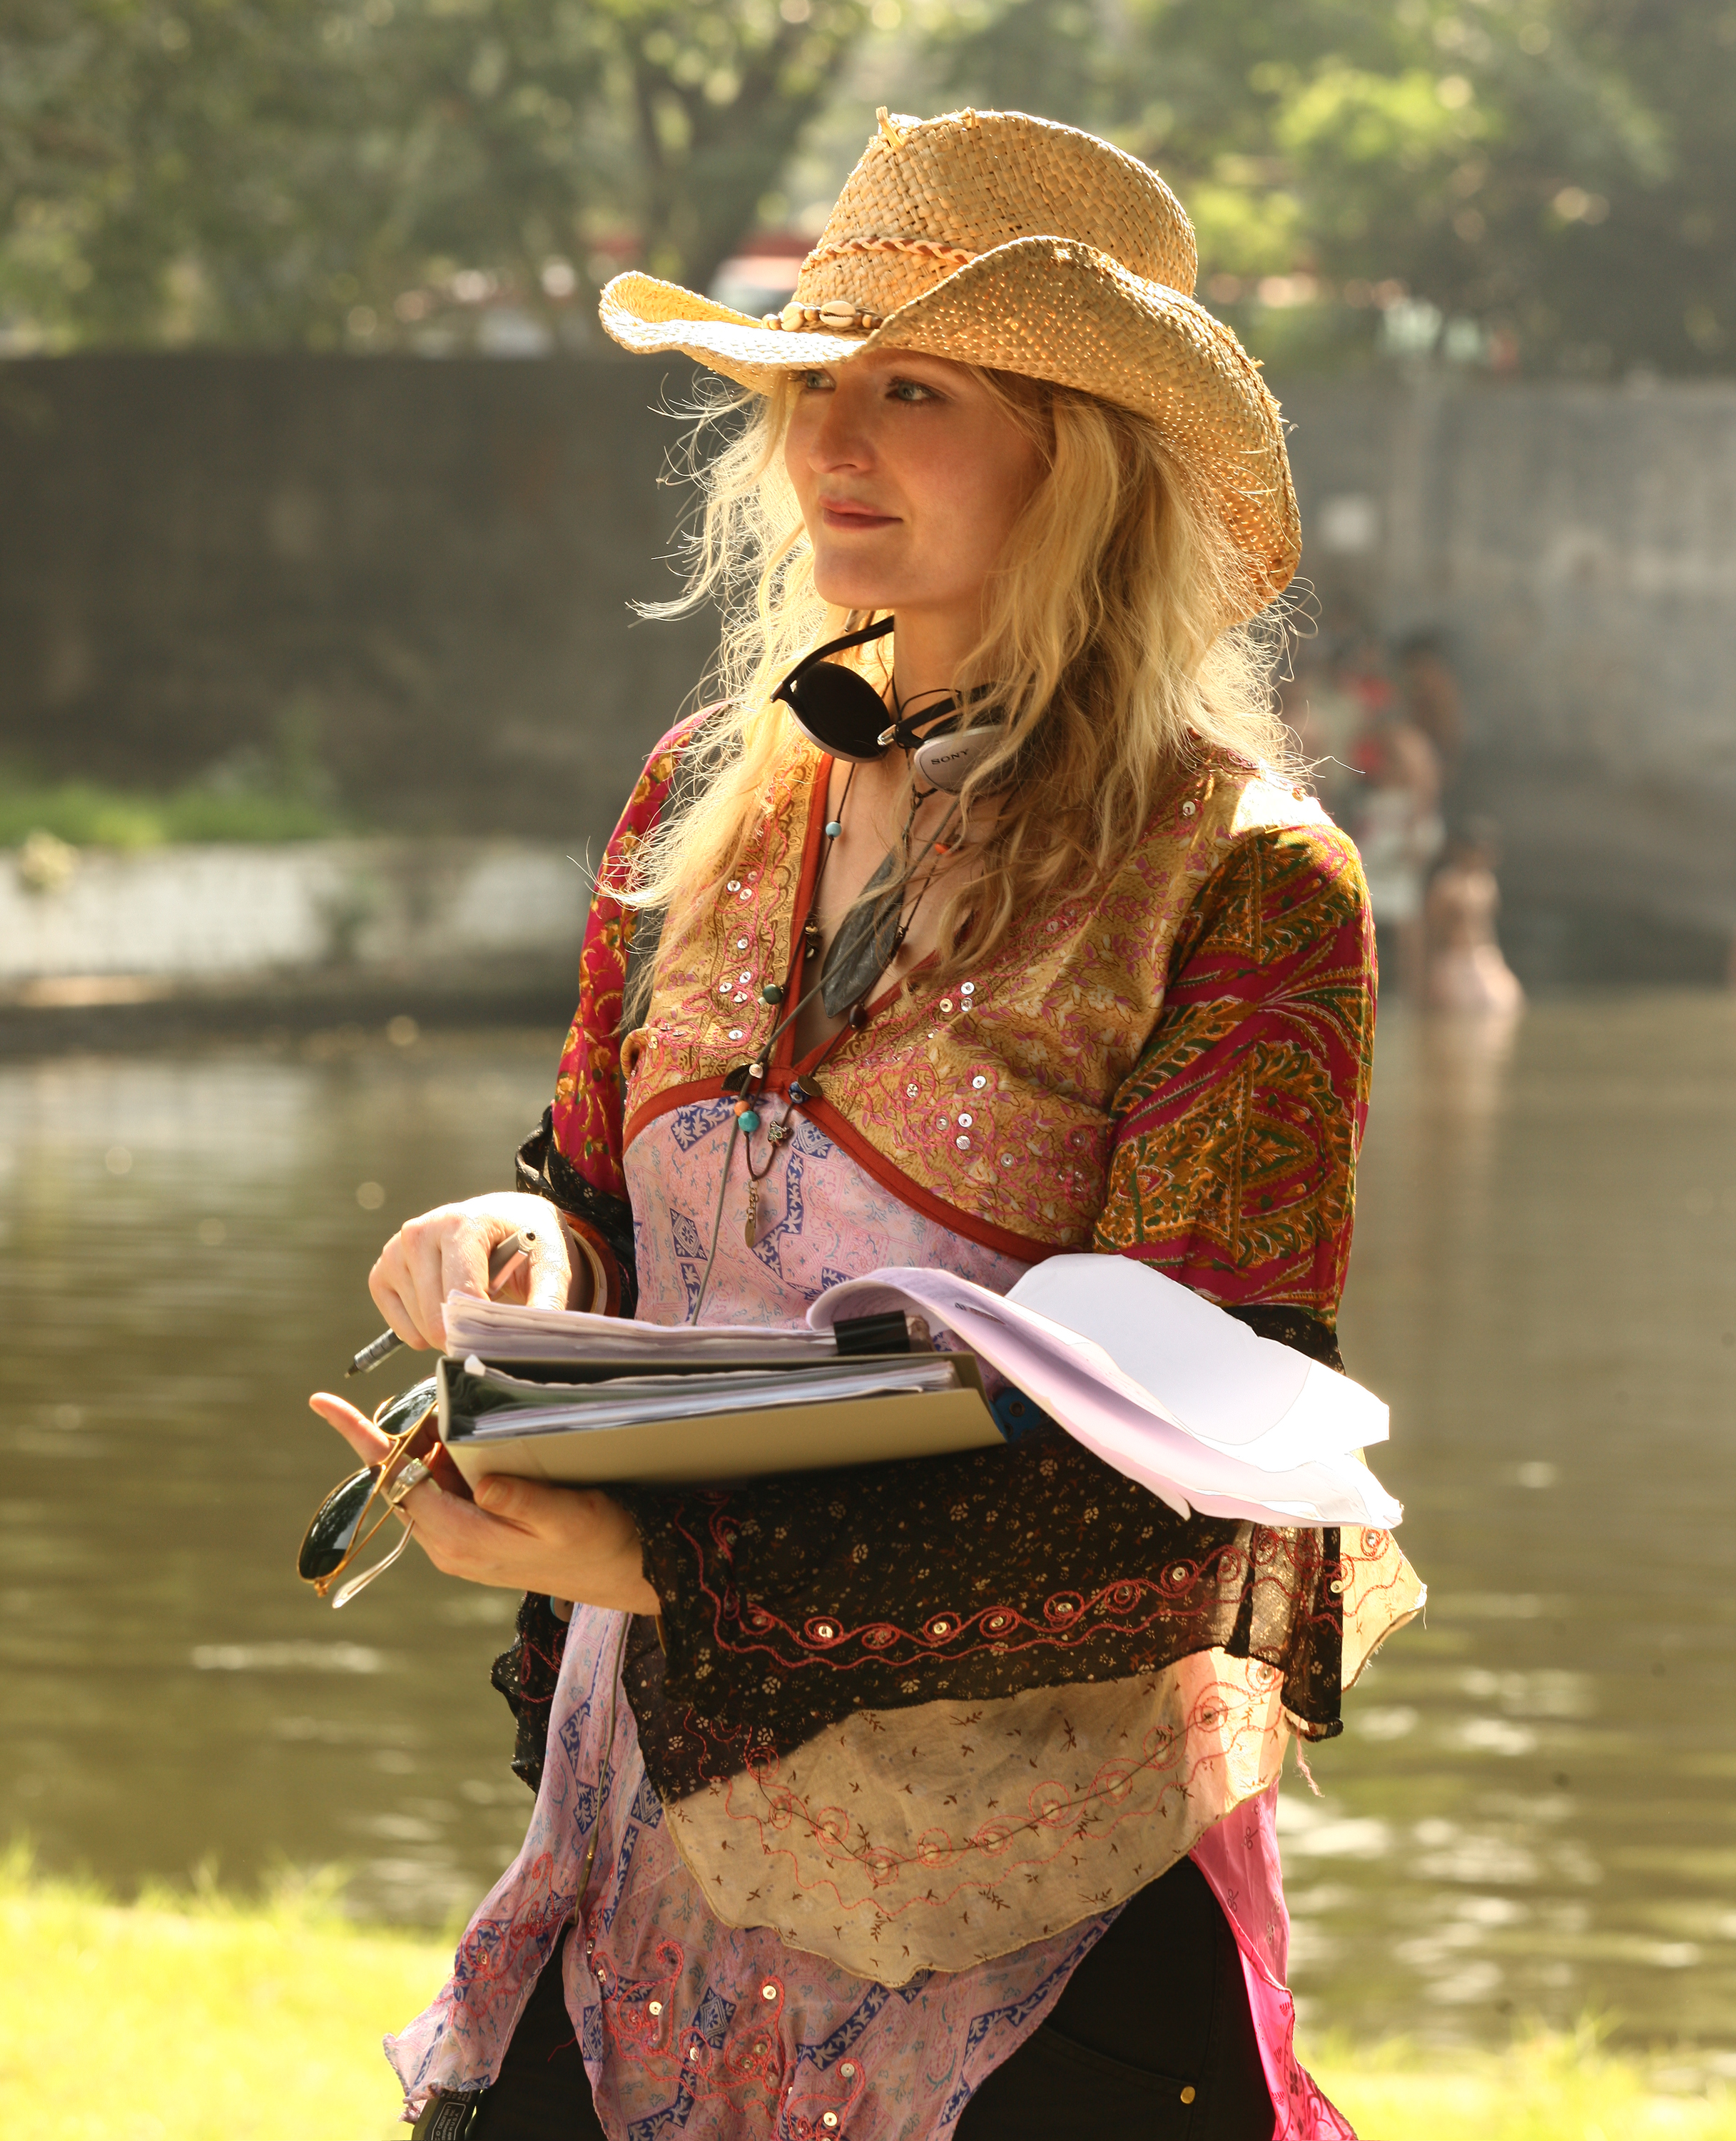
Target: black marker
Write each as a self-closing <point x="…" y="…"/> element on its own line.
<point x="501" y="1259"/>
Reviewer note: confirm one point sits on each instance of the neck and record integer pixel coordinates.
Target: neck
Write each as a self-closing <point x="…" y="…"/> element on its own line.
<point x="927" y="650"/>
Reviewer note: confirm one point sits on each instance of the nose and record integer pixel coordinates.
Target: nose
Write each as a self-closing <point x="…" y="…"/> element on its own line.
<point x="841" y="439"/>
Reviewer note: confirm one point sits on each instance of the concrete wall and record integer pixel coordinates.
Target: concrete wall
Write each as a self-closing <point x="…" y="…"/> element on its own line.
<point x="429" y="564"/>
<point x="1576" y="546"/>
<point x="221" y="914"/>
<point x="425" y="566"/>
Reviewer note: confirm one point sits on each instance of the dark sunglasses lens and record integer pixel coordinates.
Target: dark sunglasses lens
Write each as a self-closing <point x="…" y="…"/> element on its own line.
<point x="841" y="709"/>
<point x="406" y="1409"/>
<point x="334" y="1527"/>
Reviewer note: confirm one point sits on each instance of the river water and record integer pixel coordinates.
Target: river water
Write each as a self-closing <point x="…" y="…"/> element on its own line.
<point x="1532" y="1810"/>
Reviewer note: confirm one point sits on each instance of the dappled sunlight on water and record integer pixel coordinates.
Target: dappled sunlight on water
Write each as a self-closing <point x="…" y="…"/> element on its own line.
<point x="1531" y="1810"/>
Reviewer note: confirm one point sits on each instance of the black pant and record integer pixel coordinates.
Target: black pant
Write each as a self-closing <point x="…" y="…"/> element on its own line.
<point x="1155" y="2014"/>
<point x="1152" y="2040"/>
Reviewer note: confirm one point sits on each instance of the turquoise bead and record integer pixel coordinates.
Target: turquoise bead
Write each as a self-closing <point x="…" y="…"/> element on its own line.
<point x="833" y="829"/>
<point x="750" y="1121"/>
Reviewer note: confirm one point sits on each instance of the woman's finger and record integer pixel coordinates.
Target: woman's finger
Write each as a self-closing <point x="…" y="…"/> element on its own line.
<point x="550" y="1283"/>
<point x="405" y="1279"/>
<point x="445" y="1250"/>
<point x="356" y="1427"/>
<point x="389" y="1299"/>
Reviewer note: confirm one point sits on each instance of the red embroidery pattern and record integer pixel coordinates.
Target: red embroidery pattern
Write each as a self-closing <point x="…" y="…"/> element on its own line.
<point x="1235" y="1156"/>
<point x="587" y="1089"/>
<point x="1185" y="1596"/>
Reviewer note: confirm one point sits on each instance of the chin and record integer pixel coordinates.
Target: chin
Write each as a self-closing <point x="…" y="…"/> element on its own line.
<point x="849" y="591"/>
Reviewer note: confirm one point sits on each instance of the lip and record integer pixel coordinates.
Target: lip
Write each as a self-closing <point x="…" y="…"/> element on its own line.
<point x="845" y="512"/>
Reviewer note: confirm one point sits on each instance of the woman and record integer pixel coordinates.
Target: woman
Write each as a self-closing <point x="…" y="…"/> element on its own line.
<point x="934" y="1795"/>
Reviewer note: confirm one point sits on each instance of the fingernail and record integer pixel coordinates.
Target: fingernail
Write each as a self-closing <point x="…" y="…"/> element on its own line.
<point x="491" y="1492"/>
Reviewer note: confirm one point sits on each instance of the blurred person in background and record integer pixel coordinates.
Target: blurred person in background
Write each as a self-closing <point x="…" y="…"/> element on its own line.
<point x="1433" y="706"/>
<point x="1395" y="817"/>
<point x="988" y="412"/>
<point x="1466" y="970"/>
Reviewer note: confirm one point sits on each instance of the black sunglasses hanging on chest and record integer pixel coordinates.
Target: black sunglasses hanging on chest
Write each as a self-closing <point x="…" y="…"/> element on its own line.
<point x="839" y="710"/>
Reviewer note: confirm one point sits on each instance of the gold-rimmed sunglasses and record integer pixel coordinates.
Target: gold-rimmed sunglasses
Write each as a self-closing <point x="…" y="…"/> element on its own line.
<point x="351" y="1515"/>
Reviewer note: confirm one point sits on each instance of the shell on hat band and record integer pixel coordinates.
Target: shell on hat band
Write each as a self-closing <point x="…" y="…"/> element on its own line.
<point x="839" y="315"/>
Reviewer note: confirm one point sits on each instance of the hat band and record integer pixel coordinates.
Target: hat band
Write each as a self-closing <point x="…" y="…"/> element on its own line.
<point x="842" y="315"/>
<point x="924" y="249"/>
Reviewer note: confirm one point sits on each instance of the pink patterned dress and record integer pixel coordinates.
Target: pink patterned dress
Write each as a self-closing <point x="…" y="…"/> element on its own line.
<point x="770" y="1943"/>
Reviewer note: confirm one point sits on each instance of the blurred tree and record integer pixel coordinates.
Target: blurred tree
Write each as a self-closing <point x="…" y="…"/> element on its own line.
<point x="720" y="94"/>
<point x="260" y="171"/>
<point x="1549" y="180"/>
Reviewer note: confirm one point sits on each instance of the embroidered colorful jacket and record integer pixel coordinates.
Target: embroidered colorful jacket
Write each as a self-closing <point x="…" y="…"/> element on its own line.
<point x="1175" y="1069"/>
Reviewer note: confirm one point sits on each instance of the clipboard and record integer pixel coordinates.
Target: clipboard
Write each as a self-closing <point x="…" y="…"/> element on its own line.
<point x="719" y="1448"/>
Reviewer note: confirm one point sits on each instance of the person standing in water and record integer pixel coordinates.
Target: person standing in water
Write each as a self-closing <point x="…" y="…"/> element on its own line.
<point x="1466" y="970"/>
<point x="935" y="1797"/>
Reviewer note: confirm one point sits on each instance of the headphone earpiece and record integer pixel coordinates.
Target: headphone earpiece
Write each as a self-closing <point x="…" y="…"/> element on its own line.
<point x="837" y="709"/>
<point x="947" y="762"/>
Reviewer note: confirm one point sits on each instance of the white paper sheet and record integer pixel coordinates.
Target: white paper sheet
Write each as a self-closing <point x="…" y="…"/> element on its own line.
<point x="1271" y="1434"/>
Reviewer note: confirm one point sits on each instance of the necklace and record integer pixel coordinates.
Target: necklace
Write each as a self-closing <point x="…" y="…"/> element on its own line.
<point x="873" y="953"/>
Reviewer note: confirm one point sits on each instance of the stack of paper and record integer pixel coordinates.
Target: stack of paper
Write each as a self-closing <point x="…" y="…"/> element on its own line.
<point x="502" y="1331"/>
<point x="489" y="1403"/>
<point x="674" y="1416"/>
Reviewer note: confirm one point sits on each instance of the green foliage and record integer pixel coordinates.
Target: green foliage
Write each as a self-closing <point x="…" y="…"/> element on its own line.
<point x="260" y="171"/>
<point x="86" y="814"/>
<point x="1558" y="177"/>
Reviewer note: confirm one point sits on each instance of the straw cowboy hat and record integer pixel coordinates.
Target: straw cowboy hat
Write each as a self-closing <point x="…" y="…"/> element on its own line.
<point x="1001" y="241"/>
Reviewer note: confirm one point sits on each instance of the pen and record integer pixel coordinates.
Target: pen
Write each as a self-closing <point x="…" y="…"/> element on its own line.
<point x="501" y="1259"/>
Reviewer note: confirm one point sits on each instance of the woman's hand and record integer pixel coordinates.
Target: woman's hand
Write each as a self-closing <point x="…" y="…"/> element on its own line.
<point x="568" y="1542"/>
<point x="446" y="1251"/>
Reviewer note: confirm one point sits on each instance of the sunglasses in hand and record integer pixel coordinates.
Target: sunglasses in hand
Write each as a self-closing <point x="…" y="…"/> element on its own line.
<point x="351" y="1515"/>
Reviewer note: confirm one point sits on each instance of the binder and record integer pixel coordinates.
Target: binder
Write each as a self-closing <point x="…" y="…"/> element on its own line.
<point x="708" y="1445"/>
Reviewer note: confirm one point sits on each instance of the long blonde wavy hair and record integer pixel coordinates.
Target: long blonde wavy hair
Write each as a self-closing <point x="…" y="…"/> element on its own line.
<point x="1104" y="648"/>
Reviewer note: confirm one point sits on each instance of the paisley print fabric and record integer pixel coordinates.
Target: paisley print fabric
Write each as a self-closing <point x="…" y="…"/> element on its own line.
<point x="817" y="1210"/>
<point x="988" y="1104"/>
<point x="1180" y="1065"/>
<point x="1237" y="1132"/>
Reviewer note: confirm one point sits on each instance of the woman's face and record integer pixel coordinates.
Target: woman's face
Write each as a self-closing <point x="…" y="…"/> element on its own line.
<point x="910" y="476"/>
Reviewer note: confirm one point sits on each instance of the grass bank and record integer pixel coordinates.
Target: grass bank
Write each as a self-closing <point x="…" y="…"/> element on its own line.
<point x="86" y="814"/>
<point x="200" y="2018"/>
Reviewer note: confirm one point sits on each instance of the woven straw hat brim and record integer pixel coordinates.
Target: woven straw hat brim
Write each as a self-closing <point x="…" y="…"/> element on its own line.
<point x="1047" y="309"/>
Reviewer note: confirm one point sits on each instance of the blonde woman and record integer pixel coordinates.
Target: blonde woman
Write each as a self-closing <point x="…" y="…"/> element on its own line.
<point x="977" y="923"/>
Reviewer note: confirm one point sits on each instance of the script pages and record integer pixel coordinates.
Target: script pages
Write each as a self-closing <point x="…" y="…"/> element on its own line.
<point x="1165" y="1386"/>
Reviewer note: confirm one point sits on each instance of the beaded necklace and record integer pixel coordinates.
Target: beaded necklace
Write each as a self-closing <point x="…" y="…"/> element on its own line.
<point x="747" y="1082"/>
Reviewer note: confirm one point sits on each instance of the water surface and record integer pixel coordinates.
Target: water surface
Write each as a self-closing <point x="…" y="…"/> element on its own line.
<point x="1532" y="1811"/>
